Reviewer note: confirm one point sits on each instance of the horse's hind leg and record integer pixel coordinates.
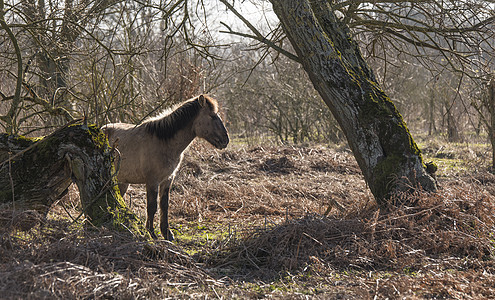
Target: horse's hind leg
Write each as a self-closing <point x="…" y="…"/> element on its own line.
<point x="123" y="188"/>
<point x="151" y="207"/>
<point x="164" y="196"/>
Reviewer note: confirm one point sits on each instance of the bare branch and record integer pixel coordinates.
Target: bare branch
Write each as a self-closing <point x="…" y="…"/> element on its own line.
<point x="257" y="35"/>
<point x="11" y="115"/>
<point x="265" y="41"/>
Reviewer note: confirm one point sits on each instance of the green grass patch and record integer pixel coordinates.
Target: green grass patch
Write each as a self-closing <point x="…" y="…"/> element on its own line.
<point x="196" y="237"/>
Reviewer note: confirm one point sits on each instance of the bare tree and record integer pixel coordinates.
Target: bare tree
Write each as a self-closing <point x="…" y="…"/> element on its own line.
<point x="93" y="58"/>
<point x="104" y="59"/>
<point x="276" y="101"/>
<point x="440" y="35"/>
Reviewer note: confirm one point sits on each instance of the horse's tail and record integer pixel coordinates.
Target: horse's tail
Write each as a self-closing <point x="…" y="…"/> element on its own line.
<point x="107" y="130"/>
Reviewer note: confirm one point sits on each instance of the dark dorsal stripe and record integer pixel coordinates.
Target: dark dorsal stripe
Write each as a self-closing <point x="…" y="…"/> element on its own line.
<point x="167" y="126"/>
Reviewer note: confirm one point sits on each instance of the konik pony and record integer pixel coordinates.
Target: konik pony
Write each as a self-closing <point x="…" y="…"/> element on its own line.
<point x="152" y="151"/>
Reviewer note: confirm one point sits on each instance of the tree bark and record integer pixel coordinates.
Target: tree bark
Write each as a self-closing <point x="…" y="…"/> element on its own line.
<point x="389" y="158"/>
<point x="35" y="173"/>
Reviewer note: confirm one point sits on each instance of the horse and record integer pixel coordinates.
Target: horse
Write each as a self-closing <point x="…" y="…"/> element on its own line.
<point x="152" y="151"/>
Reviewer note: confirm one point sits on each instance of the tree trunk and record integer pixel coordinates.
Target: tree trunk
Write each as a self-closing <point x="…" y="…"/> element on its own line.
<point x="35" y="173"/>
<point x="491" y="110"/>
<point x="431" y="110"/>
<point x="384" y="149"/>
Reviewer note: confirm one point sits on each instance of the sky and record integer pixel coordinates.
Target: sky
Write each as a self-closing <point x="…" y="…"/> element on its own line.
<point x="259" y="14"/>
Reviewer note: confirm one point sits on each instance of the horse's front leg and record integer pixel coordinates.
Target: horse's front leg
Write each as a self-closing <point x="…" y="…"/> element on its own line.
<point x="151" y="207"/>
<point x="164" y="196"/>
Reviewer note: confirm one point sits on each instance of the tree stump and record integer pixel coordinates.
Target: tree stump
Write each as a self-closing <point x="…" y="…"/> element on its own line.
<point x="36" y="172"/>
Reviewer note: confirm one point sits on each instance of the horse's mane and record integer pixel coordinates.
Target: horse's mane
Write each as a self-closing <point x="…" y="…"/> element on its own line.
<point x="167" y="123"/>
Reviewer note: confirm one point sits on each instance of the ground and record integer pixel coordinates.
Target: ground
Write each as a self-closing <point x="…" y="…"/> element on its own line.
<point x="283" y="222"/>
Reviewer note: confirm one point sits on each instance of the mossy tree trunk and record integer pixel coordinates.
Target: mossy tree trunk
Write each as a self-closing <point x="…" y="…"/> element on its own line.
<point x="35" y="173"/>
<point x="384" y="149"/>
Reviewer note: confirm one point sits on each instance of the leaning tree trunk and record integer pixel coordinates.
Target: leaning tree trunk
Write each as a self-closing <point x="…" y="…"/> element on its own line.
<point x="384" y="149"/>
<point x="35" y="173"/>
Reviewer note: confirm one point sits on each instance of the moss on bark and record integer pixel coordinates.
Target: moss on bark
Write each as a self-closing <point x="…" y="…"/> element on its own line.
<point x="400" y="151"/>
<point x="35" y="173"/>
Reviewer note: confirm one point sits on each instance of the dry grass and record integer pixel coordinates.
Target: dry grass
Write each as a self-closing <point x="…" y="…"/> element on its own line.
<point x="274" y="182"/>
<point x="454" y="224"/>
<point x="80" y="262"/>
<point x="249" y="224"/>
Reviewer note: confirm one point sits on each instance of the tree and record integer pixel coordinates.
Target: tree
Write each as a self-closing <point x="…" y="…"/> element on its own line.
<point x="277" y="102"/>
<point x="443" y="37"/>
<point x="106" y="60"/>
<point x="384" y="149"/>
<point x="485" y="106"/>
<point x="452" y="42"/>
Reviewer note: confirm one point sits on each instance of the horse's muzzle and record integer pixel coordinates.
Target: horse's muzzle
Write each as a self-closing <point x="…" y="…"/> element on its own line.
<point x="222" y="143"/>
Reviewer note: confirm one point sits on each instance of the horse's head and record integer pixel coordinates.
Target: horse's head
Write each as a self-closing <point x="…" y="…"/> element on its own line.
<point x="208" y="124"/>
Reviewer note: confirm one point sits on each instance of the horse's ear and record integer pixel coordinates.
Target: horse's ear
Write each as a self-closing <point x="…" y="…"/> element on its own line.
<point x="202" y="100"/>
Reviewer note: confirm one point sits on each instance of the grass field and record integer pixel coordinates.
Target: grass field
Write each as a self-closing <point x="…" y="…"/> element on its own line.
<point x="249" y="223"/>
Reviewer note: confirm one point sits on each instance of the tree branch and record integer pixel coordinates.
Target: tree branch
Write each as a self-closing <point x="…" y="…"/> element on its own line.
<point x="10" y="117"/>
<point x="261" y="40"/>
<point x="257" y="35"/>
